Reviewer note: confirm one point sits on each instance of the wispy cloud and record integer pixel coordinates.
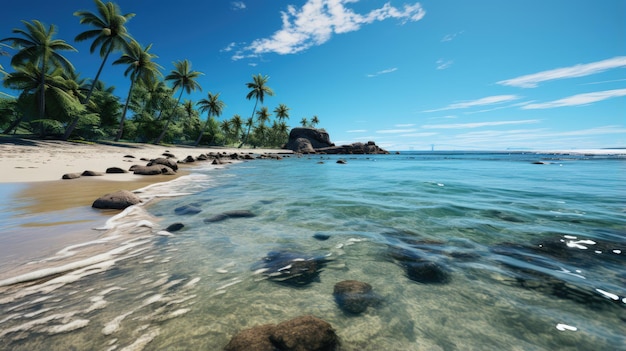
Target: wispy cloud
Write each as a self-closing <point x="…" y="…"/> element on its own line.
<point x="581" y="70"/>
<point x="450" y="37"/>
<point x="576" y="100"/>
<point x="489" y="100"/>
<point x="443" y="64"/>
<point x="238" y="5"/>
<point x="318" y="20"/>
<point x="385" y="71"/>
<point x="478" y="124"/>
<point x="404" y="125"/>
<point x="357" y="131"/>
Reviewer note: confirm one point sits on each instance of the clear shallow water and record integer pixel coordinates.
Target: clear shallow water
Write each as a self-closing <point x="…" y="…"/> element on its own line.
<point x="534" y="257"/>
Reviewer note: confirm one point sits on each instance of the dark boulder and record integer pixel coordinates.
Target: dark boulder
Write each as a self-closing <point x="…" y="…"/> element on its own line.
<point x="253" y="339"/>
<point x="165" y="162"/>
<point x="174" y="227"/>
<point x="91" y="174"/>
<point x="305" y="333"/>
<point x="189" y="159"/>
<point x="229" y="214"/>
<point x="353" y="296"/>
<point x="71" y="176"/>
<point x="305" y="140"/>
<point x="155" y="169"/>
<point x="321" y="237"/>
<point x="115" y="170"/>
<point x="118" y="200"/>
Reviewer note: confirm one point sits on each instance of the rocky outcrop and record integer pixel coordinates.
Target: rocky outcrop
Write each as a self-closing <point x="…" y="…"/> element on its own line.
<point x="317" y="141"/>
<point x="305" y="333"/>
<point x="369" y="148"/>
<point x="118" y="200"/>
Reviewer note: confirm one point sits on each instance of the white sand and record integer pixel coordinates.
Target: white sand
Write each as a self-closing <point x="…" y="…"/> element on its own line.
<point x="36" y="161"/>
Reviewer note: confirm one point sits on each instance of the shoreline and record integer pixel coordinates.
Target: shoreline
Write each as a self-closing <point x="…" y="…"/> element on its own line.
<point x="46" y="214"/>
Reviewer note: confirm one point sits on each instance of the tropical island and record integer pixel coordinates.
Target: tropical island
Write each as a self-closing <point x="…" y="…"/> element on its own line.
<point x="55" y="102"/>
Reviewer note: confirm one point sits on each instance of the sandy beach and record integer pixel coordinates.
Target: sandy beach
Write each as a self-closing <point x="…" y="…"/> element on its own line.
<point x="33" y="171"/>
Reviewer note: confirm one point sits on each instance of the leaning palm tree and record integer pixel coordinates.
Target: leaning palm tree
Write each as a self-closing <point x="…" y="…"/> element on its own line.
<point x="304" y="122"/>
<point x="39" y="47"/>
<point x="183" y="78"/>
<point x="282" y="112"/>
<point x="213" y="106"/>
<point x="109" y="34"/>
<point x="140" y="68"/>
<point x="258" y="89"/>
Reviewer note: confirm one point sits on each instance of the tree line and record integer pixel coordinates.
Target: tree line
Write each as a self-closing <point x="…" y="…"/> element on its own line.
<point x="54" y="101"/>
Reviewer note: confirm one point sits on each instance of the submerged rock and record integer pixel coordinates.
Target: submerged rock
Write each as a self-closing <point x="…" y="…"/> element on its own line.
<point x="292" y="268"/>
<point x="354" y="296"/>
<point x="115" y="170"/>
<point x="174" y="227"/>
<point x="427" y="272"/>
<point x="321" y="237"/>
<point x="305" y="333"/>
<point x="229" y="214"/>
<point x="187" y="210"/>
<point x="118" y="200"/>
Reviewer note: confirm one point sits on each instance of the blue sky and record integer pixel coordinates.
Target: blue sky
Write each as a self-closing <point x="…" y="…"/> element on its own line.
<point x="485" y="74"/>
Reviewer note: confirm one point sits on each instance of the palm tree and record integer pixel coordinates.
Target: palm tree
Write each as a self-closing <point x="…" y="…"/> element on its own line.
<point x="236" y="124"/>
<point x="62" y="93"/>
<point x="258" y="90"/>
<point x="314" y="121"/>
<point x="39" y="47"/>
<point x="263" y="115"/>
<point x="109" y="34"/>
<point x="304" y="121"/>
<point x="213" y="106"/>
<point x="140" y="68"/>
<point x="184" y="78"/>
<point x="282" y="112"/>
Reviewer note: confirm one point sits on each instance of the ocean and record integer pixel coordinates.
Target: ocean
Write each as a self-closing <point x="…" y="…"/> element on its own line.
<point x="462" y="250"/>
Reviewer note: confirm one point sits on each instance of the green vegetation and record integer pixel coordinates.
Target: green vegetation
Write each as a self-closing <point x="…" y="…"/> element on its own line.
<point x="53" y="101"/>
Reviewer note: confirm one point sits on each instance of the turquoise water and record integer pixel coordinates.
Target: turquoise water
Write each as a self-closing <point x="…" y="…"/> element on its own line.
<point x="530" y="256"/>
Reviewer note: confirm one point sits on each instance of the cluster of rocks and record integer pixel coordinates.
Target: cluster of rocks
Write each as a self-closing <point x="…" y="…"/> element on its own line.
<point x="535" y="266"/>
<point x="168" y="163"/>
<point x="317" y="141"/>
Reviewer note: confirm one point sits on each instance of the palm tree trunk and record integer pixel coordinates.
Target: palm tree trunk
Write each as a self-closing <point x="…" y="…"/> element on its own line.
<point x="245" y="140"/>
<point x="167" y="124"/>
<point x="42" y="99"/>
<point x="120" y="130"/>
<point x="72" y="125"/>
<point x="13" y="125"/>
<point x="206" y="124"/>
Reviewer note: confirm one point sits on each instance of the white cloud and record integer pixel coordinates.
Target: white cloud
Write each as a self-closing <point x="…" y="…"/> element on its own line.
<point x="385" y="71"/>
<point x="357" y="131"/>
<point x="490" y="100"/>
<point x="229" y="47"/>
<point x="317" y="20"/>
<point x="576" y="100"/>
<point x="238" y="5"/>
<point x="581" y="70"/>
<point x="478" y="124"/>
<point x="404" y="125"/>
<point x="443" y="64"/>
